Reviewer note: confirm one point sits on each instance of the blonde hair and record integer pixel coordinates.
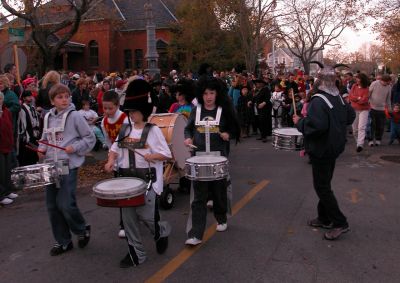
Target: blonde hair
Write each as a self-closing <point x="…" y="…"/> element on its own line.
<point x="5" y="81"/>
<point x="52" y="77"/>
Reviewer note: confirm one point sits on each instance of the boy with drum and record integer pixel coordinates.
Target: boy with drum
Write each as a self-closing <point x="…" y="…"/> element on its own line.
<point x="140" y="148"/>
<point x="214" y="105"/>
<point x="110" y="125"/>
<point x="65" y="128"/>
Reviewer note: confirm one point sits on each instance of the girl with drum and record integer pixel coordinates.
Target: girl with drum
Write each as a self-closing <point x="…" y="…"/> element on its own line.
<point x="214" y="105"/>
<point x="139" y="151"/>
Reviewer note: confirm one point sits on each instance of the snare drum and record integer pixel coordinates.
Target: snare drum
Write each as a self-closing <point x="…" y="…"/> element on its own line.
<point x="206" y="168"/>
<point x="287" y="139"/>
<point x="120" y="192"/>
<point x="173" y="126"/>
<point x="34" y="176"/>
<point x="39" y="175"/>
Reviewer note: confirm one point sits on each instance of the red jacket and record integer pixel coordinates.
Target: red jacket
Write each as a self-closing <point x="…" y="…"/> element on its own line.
<point x="393" y="115"/>
<point x="359" y="98"/>
<point x="6" y="132"/>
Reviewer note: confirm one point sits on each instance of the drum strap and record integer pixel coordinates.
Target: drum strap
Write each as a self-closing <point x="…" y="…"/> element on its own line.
<point x="325" y="99"/>
<point x="210" y="123"/>
<point x="139" y="144"/>
<point x="46" y="128"/>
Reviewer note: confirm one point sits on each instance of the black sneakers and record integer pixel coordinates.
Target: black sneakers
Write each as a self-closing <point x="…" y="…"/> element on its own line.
<point x="83" y="239"/>
<point x="359" y="148"/>
<point x="319" y="224"/>
<point x="162" y="245"/>
<point x="126" y="262"/>
<point x="60" y="249"/>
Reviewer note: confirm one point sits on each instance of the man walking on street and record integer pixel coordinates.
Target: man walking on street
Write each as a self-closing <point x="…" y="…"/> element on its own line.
<point x="324" y="131"/>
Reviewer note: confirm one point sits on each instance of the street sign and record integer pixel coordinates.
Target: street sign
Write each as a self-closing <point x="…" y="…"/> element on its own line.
<point x="16" y="34"/>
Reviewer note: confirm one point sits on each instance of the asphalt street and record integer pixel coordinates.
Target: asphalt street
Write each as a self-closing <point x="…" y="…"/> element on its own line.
<point x="267" y="239"/>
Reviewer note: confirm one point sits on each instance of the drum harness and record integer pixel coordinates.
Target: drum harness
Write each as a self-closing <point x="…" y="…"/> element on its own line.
<point x="207" y="124"/>
<point x="147" y="174"/>
<point x="61" y="170"/>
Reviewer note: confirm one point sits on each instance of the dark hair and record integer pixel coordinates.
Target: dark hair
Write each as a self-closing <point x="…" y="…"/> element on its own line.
<point x="111" y="96"/>
<point x="8" y="67"/>
<point x="57" y="89"/>
<point x="364" y="80"/>
<point x="85" y="101"/>
<point x="222" y="100"/>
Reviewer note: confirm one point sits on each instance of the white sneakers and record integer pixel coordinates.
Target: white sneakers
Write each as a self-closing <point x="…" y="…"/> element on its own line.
<point x="12" y="196"/>
<point x="6" y="201"/>
<point x="377" y="143"/>
<point x="121" y="234"/>
<point x="222" y="227"/>
<point x="193" y="241"/>
<point x="210" y="204"/>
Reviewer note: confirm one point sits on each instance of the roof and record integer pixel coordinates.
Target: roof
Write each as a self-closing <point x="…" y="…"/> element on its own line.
<point x="130" y="13"/>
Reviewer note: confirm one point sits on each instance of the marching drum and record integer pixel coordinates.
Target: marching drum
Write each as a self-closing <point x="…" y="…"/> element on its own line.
<point x="173" y="126"/>
<point x="120" y="192"/>
<point x="38" y="175"/>
<point x="206" y="168"/>
<point x="287" y="139"/>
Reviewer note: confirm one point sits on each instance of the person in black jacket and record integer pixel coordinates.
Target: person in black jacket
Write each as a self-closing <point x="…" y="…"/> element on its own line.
<point x="262" y="108"/>
<point x="324" y="131"/>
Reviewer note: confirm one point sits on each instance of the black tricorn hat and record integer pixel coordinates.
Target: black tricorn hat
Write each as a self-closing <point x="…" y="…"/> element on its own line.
<point x="138" y="97"/>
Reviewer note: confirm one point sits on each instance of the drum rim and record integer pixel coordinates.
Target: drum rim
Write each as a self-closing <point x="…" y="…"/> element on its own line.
<point x="141" y="189"/>
<point x="189" y="161"/>
<point x="276" y="132"/>
<point x="33" y="166"/>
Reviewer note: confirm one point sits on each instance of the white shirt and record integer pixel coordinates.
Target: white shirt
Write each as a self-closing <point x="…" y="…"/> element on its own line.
<point x="89" y="115"/>
<point x="155" y="143"/>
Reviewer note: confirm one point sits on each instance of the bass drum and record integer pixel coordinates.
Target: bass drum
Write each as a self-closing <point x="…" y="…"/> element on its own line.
<point x="173" y="126"/>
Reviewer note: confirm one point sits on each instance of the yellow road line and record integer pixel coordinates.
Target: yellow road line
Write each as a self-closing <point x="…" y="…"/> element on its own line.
<point x="187" y="252"/>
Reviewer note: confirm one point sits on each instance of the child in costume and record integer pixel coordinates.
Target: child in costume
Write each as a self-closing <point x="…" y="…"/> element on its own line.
<point x="150" y="149"/>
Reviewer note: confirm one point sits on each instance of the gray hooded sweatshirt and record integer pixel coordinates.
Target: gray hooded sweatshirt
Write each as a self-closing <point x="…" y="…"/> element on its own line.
<point x="76" y="134"/>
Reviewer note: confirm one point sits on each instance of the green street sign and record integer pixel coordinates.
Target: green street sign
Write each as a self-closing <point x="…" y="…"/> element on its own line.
<point x="16" y="34"/>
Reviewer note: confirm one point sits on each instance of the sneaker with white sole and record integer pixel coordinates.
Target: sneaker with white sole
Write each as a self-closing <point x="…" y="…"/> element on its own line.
<point x="371" y="143"/>
<point x="222" y="227"/>
<point x="12" y="196"/>
<point x="6" y="201"/>
<point x="121" y="234"/>
<point x="210" y="204"/>
<point x="377" y="143"/>
<point x="193" y="241"/>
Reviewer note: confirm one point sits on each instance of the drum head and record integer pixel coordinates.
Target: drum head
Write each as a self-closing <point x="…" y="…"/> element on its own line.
<point x="287" y="132"/>
<point x="119" y="188"/>
<point x="206" y="159"/>
<point x="179" y="150"/>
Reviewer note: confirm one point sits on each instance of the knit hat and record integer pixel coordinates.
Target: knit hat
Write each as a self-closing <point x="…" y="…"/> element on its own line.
<point x="138" y="97"/>
<point x="27" y="82"/>
<point x="120" y="83"/>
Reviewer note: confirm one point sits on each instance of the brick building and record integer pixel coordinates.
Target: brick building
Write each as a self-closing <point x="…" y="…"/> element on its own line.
<point x="111" y="36"/>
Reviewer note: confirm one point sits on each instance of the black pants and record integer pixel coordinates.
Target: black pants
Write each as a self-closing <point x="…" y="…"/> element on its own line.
<point x="377" y="124"/>
<point x="265" y="123"/>
<point x="199" y="205"/>
<point x="328" y="208"/>
<point x="5" y="175"/>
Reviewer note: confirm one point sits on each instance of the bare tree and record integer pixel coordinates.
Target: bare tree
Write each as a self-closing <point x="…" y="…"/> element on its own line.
<point x="310" y="26"/>
<point x="44" y="22"/>
<point x="253" y="20"/>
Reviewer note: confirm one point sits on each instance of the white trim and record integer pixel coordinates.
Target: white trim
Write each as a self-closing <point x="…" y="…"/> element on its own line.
<point x="325" y="99"/>
<point x="169" y="11"/>
<point x="119" y="10"/>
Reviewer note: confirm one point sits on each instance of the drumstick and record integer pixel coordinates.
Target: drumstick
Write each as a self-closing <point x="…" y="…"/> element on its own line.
<point x="53" y="145"/>
<point x="192" y="146"/>
<point x="34" y="149"/>
<point x="138" y="153"/>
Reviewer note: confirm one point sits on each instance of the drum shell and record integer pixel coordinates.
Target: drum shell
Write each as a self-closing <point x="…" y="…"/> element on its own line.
<point x="210" y="171"/>
<point x="172" y="126"/>
<point x="117" y="197"/>
<point x="34" y="176"/>
<point x="289" y="142"/>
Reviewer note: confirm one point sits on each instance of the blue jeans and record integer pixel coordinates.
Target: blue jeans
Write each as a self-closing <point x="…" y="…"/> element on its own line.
<point x="394" y="130"/>
<point x="64" y="213"/>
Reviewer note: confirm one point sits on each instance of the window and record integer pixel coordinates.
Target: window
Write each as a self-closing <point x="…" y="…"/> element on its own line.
<point x="138" y="58"/>
<point x="93" y="54"/>
<point x="284" y="60"/>
<point x="276" y="60"/>
<point x="128" y="59"/>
